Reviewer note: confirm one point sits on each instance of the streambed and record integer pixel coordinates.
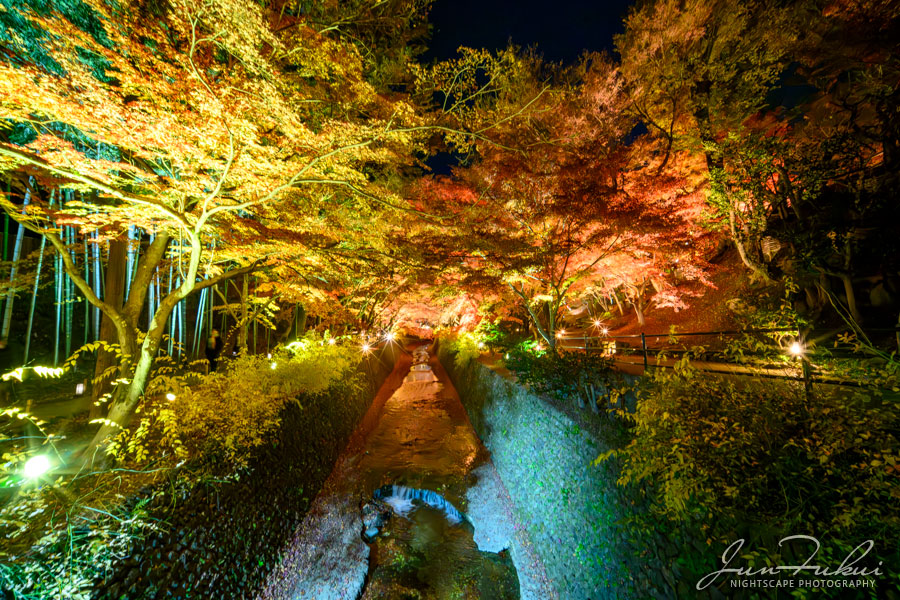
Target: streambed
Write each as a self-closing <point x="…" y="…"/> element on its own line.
<point x="423" y="440"/>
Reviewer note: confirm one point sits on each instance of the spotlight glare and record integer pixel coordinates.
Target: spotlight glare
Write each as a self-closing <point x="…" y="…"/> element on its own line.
<point x="796" y="349"/>
<point x="170" y="396"/>
<point x="389" y="336"/>
<point x="604" y="331"/>
<point x="36" y="466"/>
<point x="273" y="365"/>
<point x="365" y="348"/>
<point x="331" y="341"/>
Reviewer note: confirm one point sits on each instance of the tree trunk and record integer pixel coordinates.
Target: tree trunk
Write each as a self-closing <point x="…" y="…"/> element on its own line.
<point x="639" y="312"/>
<point x="301" y="321"/>
<point x="851" y="297"/>
<point x="114" y="294"/>
<point x="757" y="270"/>
<point x="125" y="403"/>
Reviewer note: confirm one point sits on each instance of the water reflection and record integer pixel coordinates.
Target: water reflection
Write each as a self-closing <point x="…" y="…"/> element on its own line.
<point x="424" y="440"/>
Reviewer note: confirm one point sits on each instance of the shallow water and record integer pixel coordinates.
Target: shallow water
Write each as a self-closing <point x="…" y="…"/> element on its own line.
<point x="424" y="440"/>
<point x="421" y="439"/>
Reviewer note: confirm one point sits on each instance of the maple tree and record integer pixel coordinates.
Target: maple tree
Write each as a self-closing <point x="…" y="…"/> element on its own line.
<point x="566" y="208"/>
<point x="791" y="111"/>
<point x="835" y="190"/>
<point x="697" y="70"/>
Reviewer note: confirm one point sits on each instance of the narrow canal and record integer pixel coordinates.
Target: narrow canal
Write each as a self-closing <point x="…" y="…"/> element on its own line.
<point x="393" y="520"/>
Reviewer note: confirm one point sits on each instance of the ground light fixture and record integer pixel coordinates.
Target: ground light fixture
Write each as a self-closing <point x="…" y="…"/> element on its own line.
<point x="79" y="389"/>
<point x="36" y="466"/>
<point x="170" y="396"/>
<point x="331" y="341"/>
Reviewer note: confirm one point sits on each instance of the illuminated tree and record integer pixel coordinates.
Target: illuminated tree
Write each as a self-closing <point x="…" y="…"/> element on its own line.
<point x="696" y="71"/>
<point x="235" y="137"/>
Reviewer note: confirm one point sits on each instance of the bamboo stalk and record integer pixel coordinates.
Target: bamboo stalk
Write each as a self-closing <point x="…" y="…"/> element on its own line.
<point x="69" y="293"/>
<point x="34" y="293"/>
<point x="98" y="283"/>
<point x="129" y="268"/>
<point x="17" y="251"/>
<point x="171" y="317"/>
<point x="87" y="277"/>
<point x="198" y="324"/>
<point x="57" y="284"/>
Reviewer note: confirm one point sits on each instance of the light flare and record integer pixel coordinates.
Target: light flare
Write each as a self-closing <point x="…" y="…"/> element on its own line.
<point x="36" y="466"/>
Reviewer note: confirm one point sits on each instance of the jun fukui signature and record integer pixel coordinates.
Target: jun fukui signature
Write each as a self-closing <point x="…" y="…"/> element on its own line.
<point x="847" y="567"/>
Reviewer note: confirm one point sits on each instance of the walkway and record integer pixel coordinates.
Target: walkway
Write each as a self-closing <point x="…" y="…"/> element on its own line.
<point x="423" y="440"/>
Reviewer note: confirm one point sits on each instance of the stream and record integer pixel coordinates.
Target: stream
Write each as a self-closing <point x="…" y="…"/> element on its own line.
<point x="426" y="453"/>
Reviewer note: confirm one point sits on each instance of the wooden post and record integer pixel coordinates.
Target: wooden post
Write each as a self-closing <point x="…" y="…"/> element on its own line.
<point x="807" y="377"/>
<point x="644" y="347"/>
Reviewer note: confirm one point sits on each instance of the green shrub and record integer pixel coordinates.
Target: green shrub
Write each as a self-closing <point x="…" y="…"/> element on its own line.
<point x="57" y="542"/>
<point x="466" y="346"/>
<point x="586" y="377"/>
<point x="759" y="460"/>
<point x="229" y="413"/>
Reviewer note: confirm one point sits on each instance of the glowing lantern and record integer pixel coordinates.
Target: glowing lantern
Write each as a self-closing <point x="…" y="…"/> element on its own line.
<point x="36" y="466"/>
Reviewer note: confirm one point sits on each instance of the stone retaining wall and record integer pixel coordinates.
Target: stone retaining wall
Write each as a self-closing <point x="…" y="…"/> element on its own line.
<point x="221" y="539"/>
<point x="570" y="508"/>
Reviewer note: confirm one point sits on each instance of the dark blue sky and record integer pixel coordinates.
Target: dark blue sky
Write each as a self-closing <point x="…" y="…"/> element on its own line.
<point x="560" y="30"/>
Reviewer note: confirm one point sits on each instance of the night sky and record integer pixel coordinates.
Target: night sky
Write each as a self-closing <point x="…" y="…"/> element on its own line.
<point x="561" y="30"/>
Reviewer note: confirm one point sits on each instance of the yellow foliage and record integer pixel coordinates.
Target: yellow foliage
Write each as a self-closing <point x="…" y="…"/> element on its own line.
<point x="234" y="411"/>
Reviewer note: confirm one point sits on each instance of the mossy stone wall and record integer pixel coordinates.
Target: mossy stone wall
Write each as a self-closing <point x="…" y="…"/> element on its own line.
<point x="571" y="509"/>
<point x="222" y="539"/>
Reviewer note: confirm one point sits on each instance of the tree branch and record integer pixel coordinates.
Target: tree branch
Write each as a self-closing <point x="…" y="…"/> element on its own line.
<point x="98" y="185"/>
